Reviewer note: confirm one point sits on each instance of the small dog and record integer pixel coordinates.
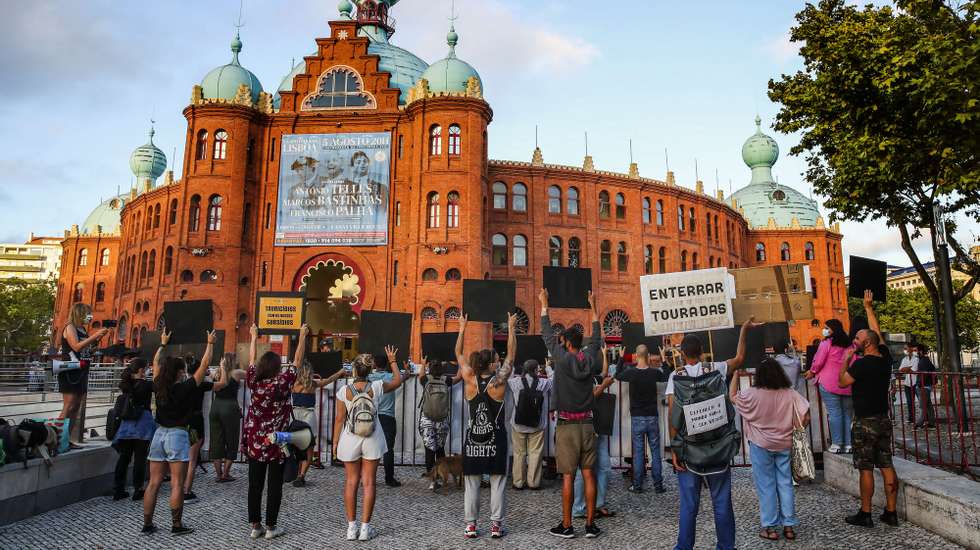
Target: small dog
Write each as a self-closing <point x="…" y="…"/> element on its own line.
<point x="447" y="466"/>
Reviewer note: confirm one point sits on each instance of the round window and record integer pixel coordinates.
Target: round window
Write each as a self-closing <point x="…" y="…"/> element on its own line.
<point x="778" y="195"/>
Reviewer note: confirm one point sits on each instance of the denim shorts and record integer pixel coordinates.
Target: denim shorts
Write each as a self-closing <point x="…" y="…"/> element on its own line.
<point x="170" y="445"/>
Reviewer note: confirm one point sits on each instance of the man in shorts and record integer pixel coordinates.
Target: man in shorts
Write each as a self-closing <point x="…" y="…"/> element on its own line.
<point x="575" y="437"/>
<point x="869" y="378"/>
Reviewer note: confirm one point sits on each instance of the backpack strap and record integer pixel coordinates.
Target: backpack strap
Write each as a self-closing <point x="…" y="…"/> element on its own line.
<point x="524" y="382"/>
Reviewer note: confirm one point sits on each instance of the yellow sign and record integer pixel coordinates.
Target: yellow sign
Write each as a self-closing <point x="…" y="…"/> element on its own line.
<point x="279" y="312"/>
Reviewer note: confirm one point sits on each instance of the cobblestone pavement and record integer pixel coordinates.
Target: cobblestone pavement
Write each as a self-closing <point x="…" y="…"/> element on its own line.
<point x="411" y="517"/>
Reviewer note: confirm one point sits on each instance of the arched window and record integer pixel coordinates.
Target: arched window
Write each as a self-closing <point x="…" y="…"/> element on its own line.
<point x="694" y="261"/>
<point x="149" y="218"/>
<point x="554" y="200"/>
<point x="572" y="201"/>
<point x="694" y="221"/>
<point x="156" y="216"/>
<point x="605" y="255"/>
<point x="139" y="307"/>
<point x="711" y="261"/>
<point x="520" y="250"/>
<point x="707" y="225"/>
<point x="220" y="145"/>
<point x="433" y="205"/>
<point x="716" y="228"/>
<point x="186" y="276"/>
<point x="662" y="259"/>
<point x="660" y="212"/>
<point x="173" y="212"/>
<point x="683" y="260"/>
<point x="214" y="213"/>
<point x="454" y="275"/>
<point x="620" y="206"/>
<point x="455" y="139"/>
<point x="647" y="259"/>
<point x="499" y="195"/>
<point x="554" y="251"/>
<point x="430" y="275"/>
<point x="614" y="321"/>
<point x="435" y="140"/>
<point x="394" y="273"/>
<point x="105" y="256"/>
<point x="760" y="252"/>
<point x="452" y="209"/>
<point x="453" y="313"/>
<point x="680" y="218"/>
<point x="139" y="225"/>
<point x="521" y="324"/>
<point x="168" y="260"/>
<point x="83" y="257"/>
<point x="100" y="292"/>
<point x="808" y="251"/>
<point x="519" y="197"/>
<point x="604" y="204"/>
<point x="622" y="258"/>
<point x="79" y="291"/>
<point x="557" y="328"/>
<point x="202" y="145"/>
<point x="194" y="215"/>
<point x="208" y="276"/>
<point x="498" y="245"/>
<point x="784" y="252"/>
<point x="646" y="210"/>
<point x="151" y="265"/>
<point x="429" y="314"/>
<point x="574" y="252"/>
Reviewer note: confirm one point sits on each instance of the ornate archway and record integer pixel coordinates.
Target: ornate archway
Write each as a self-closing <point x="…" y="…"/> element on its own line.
<point x="334" y="295"/>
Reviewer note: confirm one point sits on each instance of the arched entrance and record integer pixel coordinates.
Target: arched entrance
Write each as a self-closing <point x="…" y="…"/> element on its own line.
<point x="333" y="302"/>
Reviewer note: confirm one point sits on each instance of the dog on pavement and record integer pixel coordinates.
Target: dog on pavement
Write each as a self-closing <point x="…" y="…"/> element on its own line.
<point x="444" y="468"/>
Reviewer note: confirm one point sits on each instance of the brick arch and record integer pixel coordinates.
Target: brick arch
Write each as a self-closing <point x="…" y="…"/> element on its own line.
<point x="366" y="279"/>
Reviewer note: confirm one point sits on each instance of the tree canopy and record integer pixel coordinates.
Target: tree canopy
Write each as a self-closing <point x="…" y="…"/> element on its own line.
<point x="911" y="311"/>
<point x="26" y="308"/>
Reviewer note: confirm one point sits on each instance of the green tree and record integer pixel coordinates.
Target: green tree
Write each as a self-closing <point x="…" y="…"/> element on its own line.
<point x="910" y="311"/>
<point x="888" y="105"/>
<point x="26" y="309"/>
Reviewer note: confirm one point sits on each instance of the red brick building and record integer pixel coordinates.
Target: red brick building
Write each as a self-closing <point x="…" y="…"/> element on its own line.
<point x="452" y="213"/>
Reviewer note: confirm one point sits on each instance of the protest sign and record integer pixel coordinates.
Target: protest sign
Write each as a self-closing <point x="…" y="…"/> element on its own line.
<point x="687" y="302"/>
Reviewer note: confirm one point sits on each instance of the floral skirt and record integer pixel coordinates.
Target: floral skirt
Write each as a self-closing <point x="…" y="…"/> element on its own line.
<point x="433" y="433"/>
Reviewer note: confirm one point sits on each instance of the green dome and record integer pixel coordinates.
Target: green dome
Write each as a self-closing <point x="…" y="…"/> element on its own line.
<point x="223" y="82"/>
<point x="403" y="66"/>
<point x="148" y="161"/>
<point x="105" y="215"/>
<point x="760" y="149"/>
<point x="450" y="74"/>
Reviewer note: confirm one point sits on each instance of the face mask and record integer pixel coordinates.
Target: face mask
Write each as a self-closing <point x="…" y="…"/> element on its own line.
<point x="88" y="318"/>
<point x="915" y="354"/>
<point x="826" y="333"/>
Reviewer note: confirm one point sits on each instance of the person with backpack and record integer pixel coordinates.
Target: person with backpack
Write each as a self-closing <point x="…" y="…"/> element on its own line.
<point x="437" y="398"/>
<point x="703" y="458"/>
<point x="485" y="443"/>
<point x="132" y="438"/>
<point x="532" y="398"/>
<point x="645" y="415"/>
<point x="358" y="438"/>
<point x="270" y="386"/>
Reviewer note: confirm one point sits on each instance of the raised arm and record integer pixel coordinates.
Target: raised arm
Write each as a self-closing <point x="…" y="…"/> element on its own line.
<point x="511" y="338"/>
<point x="202" y="369"/>
<point x="736" y="362"/>
<point x="547" y="333"/>
<point x="869" y="310"/>
<point x="423" y="370"/>
<point x="595" y="341"/>
<point x="222" y="381"/>
<point x="331" y="379"/>
<point x="396" y="373"/>
<point x="464" y="368"/>
<point x="252" y="352"/>
<point x="733" y="387"/>
<point x="300" y="354"/>
<point x="158" y="356"/>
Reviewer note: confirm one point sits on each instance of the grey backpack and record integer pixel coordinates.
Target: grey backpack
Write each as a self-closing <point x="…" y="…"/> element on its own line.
<point x="435" y="398"/>
<point x="361" y="412"/>
<point x="704" y="418"/>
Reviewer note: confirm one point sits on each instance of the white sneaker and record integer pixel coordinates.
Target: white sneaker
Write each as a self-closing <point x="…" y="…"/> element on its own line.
<point x="273" y="532"/>
<point x="257" y="533"/>
<point x="352" y="531"/>
<point x="848" y="450"/>
<point x="432" y="486"/>
<point x="835" y="449"/>
<point x="367" y="532"/>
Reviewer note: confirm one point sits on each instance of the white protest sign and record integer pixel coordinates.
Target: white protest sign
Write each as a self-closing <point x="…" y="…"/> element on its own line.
<point x="706" y="415"/>
<point x="688" y="301"/>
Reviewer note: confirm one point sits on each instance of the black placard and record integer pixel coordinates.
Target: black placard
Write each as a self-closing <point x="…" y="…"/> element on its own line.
<point x="439" y="346"/>
<point x="326" y="363"/>
<point x="634" y="335"/>
<point x="530" y="346"/>
<point x="149" y="344"/>
<point x="488" y="301"/>
<point x="385" y="328"/>
<point x="568" y="287"/>
<point x="197" y="349"/>
<point x="188" y="321"/>
<point x="867" y="274"/>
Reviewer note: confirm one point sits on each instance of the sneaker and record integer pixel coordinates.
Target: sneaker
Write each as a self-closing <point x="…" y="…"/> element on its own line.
<point x="119" y="495"/>
<point x="518" y="487"/>
<point x="563" y="532"/>
<point x="257" y="533"/>
<point x="890" y="518"/>
<point x="470" y="532"/>
<point x="848" y="449"/>
<point x="273" y="532"/>
<point x="182" y="530"/>
<point x="393" y="483"/>
<point x="835" y="449"/>
<point x="299" y="482"/>
<point x="861" y="519"/>
<point x="592" y="531"/>
<point x="352" y="531"/>
<point x="634" y="489"/>
<point x="496" y="530"/>
<point x="149" y="529"/>
<point x="659" y="489"/>
<point x="138" y="494"/>
<point x="190" y="497"/>
<point x="368" y="532"/>
<point x="432" y="486"/>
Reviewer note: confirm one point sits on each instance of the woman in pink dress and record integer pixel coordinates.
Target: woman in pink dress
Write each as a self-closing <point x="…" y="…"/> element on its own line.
<point x="270" y="386"/>
<point x="826" y="368"/>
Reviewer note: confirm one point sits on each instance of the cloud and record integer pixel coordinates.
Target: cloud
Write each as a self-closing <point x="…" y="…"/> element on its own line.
<point x="782" y="49"/>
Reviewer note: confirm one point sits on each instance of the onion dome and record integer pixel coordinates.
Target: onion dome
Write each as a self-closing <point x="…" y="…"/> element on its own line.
<point x="105" y="216"/>
<point x="223" y="82"/>
<point x="148" y="162"/>
<point x="345" y="8"/>
<point x="760" y="149"/>
<point x="450" y="74"/>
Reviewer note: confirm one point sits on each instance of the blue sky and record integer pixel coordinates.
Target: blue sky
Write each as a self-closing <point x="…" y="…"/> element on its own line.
<point x="83" y="79"/>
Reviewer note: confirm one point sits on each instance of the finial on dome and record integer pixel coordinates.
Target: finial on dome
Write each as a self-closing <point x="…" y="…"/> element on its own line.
<point x="236" y="48"/>
<point x="452" y="39"/>
<point x="345" y="8"/>
<point x="152" y="132"/>
<point x="758" y="124"/>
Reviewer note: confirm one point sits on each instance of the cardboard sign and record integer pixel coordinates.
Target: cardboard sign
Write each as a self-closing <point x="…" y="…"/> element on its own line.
<point x="773" y="293"/>
<point x="280" y="312"/>
<point x="687" y="302"/>
<point x="189" y="321"/>
<point x="489" y="301"/>
<point x="568" y="287"/>
<point x="705" y="416"/>
<point x="866" y="274"/>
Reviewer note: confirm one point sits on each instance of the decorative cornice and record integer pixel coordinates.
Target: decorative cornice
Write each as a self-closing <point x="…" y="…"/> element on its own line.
<point x="242" y="97"/>
<point x="421" y="91"/>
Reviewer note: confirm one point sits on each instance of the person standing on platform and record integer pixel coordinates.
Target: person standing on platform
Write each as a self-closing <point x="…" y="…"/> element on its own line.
<point x="645" y="415"/>
<point x="77" y="346"/>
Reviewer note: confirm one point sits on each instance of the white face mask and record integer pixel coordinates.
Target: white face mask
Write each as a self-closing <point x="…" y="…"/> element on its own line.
<point x="826" y="332"/>
<point x="915" y="354"/>
<point x="88" y="318"/>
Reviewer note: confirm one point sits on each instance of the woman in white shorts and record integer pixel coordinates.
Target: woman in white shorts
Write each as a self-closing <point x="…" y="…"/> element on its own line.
<point x="360" y="455"/>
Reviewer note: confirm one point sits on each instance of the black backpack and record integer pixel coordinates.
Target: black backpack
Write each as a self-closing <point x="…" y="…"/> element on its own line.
<point x="529" y="403"/>
<point x="113" y="418"/>
<point x="127" y="408"/>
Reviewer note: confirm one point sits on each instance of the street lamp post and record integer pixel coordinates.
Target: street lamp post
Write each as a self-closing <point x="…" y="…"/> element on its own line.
<point x="950" y="339"/>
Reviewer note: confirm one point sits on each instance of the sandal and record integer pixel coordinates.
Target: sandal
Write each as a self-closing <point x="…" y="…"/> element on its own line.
<point x="768" y="534"/>
<point x="605" y="513"/>
<point x="789" y="533"/>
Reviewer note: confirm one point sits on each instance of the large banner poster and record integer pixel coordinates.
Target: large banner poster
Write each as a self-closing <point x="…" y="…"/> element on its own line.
<point x="333" y="190"/>
<point x="689" y="301"/>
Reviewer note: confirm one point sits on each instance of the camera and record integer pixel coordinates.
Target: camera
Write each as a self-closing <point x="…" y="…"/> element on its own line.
<point x="110" y="323"/>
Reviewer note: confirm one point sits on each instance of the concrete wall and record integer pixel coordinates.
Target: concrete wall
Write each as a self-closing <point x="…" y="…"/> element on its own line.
<point x="942" y="502"/>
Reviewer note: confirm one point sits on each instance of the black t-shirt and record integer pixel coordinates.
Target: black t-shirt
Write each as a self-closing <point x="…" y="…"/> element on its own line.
<point x="199" y="392"/>
<point x="141" y="394"/>
<point x="176" y="410"/>
<point x="872" y="376"/>
<point x="228" y="392"/>
<point x="643" y="388"/>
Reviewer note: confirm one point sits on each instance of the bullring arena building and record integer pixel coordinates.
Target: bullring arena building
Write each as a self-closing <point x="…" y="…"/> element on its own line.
<point x="364" y="180"/>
